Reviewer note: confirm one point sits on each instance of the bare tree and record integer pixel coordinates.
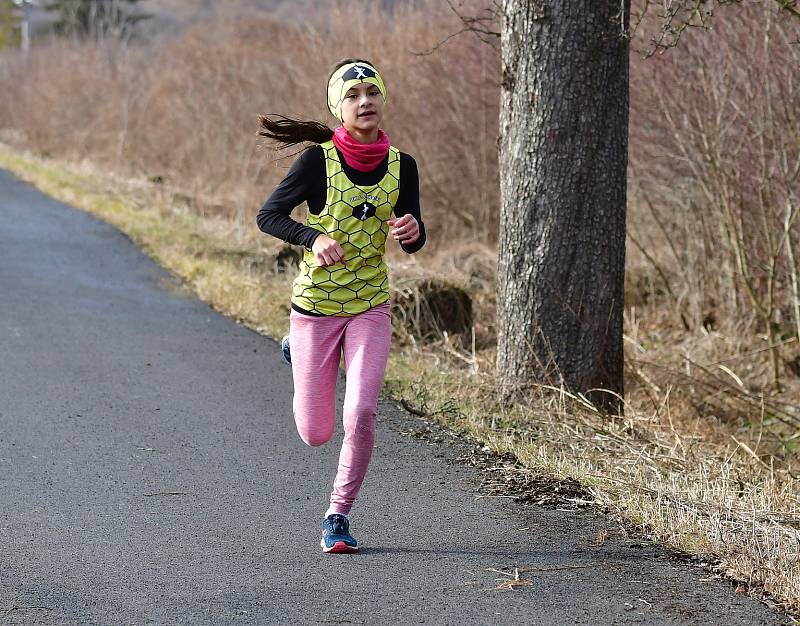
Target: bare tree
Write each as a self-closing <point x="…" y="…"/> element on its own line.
<point x="96" y="19"/>
<point x="563" y="159"/>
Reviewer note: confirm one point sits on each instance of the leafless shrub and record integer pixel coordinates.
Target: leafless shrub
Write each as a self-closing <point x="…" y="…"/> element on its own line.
<point x="715" y="168"/>
<point x="185" y="108"/>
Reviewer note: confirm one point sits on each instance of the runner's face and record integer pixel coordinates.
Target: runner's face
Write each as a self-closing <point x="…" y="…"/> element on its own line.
<point x="362" y="108"/>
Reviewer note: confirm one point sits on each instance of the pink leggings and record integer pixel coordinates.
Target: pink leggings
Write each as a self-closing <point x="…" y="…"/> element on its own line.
<point x="317" y="344"/>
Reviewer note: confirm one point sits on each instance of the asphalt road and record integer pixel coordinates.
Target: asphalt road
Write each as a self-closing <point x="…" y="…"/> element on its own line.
<point x="150" y="473"/>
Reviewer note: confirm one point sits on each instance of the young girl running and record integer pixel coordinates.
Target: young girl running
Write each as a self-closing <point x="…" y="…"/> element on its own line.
<point x="352" y="181"/>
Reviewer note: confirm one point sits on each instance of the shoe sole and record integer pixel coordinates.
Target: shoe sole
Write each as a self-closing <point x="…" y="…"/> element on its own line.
<point x="340" y="547"/>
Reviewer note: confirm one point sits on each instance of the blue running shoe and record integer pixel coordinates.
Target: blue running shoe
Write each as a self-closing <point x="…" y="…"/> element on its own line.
<point x="336" y="535"/>
<point x="287" y="356"/>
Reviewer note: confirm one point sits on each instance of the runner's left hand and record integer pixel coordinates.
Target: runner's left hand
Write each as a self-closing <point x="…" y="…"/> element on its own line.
<point x="405" y="229"/>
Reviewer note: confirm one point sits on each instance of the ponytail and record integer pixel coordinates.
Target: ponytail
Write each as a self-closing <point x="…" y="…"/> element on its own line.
<point x="289" y="132"/>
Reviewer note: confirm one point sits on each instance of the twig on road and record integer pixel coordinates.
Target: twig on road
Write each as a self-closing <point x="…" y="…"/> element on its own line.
<point x="24" y="608"/>
<point x="509" y="584"/>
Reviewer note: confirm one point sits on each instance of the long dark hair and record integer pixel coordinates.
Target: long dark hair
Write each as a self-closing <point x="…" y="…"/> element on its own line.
<point x="288" y="131"/>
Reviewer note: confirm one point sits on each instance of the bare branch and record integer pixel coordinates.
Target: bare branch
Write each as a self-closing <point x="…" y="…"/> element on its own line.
<point x="484" y="26"/>
<point x="675" y="17"/>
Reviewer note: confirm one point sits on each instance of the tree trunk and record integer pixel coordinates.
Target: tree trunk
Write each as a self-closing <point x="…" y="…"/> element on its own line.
<point x="563" y="162"/>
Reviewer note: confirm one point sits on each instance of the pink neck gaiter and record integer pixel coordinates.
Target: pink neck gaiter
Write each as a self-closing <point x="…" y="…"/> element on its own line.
<point x="363" y="157"/>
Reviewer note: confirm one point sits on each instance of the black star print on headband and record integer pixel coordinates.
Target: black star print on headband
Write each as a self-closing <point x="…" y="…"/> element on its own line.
<point x="358" y="72"/>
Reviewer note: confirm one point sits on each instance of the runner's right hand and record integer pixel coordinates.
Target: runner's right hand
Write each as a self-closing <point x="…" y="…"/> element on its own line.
<point x="327" y="250"/>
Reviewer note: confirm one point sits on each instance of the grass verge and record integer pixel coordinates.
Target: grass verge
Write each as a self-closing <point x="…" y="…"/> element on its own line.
<point x="702" y="487"/>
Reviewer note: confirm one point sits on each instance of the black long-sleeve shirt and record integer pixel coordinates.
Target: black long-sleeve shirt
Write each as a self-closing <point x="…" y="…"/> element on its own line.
<point x="306" y="181"/>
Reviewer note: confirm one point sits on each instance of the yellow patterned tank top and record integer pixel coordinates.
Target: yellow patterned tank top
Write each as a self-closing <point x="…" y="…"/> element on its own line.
<point x="356" y="217"/>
